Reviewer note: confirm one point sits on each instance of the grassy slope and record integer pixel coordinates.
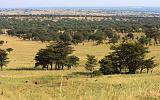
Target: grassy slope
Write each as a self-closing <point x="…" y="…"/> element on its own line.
<point x="73" y="84"/>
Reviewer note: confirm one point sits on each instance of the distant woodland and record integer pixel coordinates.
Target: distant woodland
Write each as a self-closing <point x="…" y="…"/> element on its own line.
<point x="77" y="31"/>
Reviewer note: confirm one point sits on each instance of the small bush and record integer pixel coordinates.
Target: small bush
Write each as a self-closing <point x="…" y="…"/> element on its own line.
<point x="97" y="73"/>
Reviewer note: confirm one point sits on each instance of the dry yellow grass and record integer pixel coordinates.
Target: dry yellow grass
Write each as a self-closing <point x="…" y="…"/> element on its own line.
<point x="71" y="84"/>
<point x="23" y="53"/>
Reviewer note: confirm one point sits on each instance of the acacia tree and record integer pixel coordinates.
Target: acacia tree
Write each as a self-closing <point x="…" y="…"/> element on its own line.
<point x="106" y="66"/>
<point x="152" y="32"/>
<point x="56" y="53"/>
<point x="132" y="55"/>
<point x="59" y="53"/>
<point x="128" y="57"/>
<point x="3" y="58"/>
<point x="43" y="58"/>
<point x="71" y="61"/>
<point x="91" y="63"/>
<point x="111" y="64"/>
<point x="148" y="64"/>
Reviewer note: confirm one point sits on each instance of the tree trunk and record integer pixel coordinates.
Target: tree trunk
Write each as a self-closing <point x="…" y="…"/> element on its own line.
<point x="51" y="66"/>
<point x="151" y="71"/>
<point x="69" y="67"/>
<point x="125" y="70"/>
<point x="47" y="67"/>
<point x="56" y="66"/>
<point x="1" y="65"/>
<point x="132" y="71"/>
<point x="62" y="66"/>
<point x="43" y="66"/>
<point x="120" y="69"/>
<point x="141" y="70"/>
<point x="147" y="70"/>
<point x="59" y="66"/>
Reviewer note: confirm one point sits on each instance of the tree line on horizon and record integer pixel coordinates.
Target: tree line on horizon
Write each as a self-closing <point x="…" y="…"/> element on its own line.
<point x="77" y="31"/>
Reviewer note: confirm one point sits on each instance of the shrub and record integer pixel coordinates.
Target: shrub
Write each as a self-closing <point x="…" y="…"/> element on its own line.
<point x="97" y="73"/>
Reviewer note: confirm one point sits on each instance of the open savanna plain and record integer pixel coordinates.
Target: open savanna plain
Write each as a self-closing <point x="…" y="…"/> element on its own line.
<point x="19" y="82"/>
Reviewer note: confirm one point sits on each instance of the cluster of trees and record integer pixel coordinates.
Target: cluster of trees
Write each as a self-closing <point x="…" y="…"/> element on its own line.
<point x="75" y="37"/>
<point x="125" y="58"/>
<point x="152" y="32"/>
<point x="128" y="58"/>
<point x="58" y="54"/>
<point x="80" y="30"/>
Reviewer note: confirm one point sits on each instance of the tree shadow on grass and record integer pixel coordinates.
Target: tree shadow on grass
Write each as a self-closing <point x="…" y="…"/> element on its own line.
<point x="23" y="69"/>
<point x="80" y="74"/>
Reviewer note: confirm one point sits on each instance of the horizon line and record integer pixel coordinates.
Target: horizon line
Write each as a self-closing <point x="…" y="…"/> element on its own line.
<point x="80" y="7"/>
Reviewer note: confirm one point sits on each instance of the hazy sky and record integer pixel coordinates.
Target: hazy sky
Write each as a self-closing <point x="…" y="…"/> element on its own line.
<point x="73" y="3"/>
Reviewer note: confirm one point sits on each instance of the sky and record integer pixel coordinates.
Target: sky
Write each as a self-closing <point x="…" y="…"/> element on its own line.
<point x="77" y="3"/>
